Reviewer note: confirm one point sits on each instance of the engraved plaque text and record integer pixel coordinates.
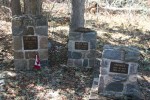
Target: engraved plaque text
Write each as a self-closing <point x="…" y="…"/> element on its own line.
<point x="30" y="42"/>
<point x="119" y="67"/>
<point x="81" y="45"/>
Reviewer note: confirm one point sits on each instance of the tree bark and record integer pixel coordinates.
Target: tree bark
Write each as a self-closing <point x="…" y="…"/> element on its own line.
<point x="77" y="14"/>
<point x="33" y="7"/>
<point x="15" y="7"/>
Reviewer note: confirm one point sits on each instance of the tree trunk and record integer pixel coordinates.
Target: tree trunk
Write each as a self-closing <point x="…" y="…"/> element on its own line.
<point x="15" y="7"/>
<point x="33" y="7"/>
<point x="77" y="14"/>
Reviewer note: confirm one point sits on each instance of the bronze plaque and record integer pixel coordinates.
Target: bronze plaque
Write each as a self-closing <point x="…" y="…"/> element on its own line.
<point x="30" y="42"/>
<point x="119" y="67"/>
<point x="81" y="45"/>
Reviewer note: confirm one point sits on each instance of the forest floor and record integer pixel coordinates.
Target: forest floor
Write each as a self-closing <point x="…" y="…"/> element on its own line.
<point x="59" y="82"/>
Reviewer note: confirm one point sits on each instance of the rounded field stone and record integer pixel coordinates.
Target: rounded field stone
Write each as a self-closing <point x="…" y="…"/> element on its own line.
<point x="85" y="63"/>
<point x="115" y="86"/>
<point x="89" y="35"/>
<point x="78" y="63"/>
<point x="120" y="77"/>
<point x="17" y="41"/>
<point x="75" y="36"/>
<point x="76" y="55"/>
<point x="112" y="54"/>
<point x="104" y="63"/>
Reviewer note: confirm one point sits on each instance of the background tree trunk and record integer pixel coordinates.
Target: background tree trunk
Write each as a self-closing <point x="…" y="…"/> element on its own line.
<point x="15" y="7"/>
<point x="77" y="14"/>
<point x="33" y="7"/>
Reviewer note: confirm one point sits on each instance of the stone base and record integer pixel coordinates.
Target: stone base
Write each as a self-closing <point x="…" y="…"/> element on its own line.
<point x="25" y="64"/>
<point x="120" y="90"/>
<point x="133" y="93"/>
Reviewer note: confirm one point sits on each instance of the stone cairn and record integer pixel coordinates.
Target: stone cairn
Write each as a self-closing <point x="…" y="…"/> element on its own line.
<point x="118" y="74"/>
<point x="30" y="38"/>
<point x="81" y="48"/>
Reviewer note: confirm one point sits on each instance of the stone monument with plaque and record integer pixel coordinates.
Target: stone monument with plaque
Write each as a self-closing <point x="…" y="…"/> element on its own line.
<point x="118" y="72"/>
<point x="81" y="48"/>
<point x="30" y="38"/>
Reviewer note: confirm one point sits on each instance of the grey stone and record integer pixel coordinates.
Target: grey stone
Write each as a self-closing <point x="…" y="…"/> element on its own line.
<point x="29" y="31"/>
<point x="42" y="30"/>
<point x="104" y="63"/>
<point x="30" y="54"/>
<point x="133" y="92"/>
<point x="41" y="22"/>
<point x="120" y="78"/>
<point x="113" y="95"/>
<point x="89" y="35"/>
<point x="96" y="74"/>
<point x="108" y="47"/>
<point x="71" y="45"/>
<point x="104" y="71"/>
<point x="130" y="88"/>
<point x="69" y="54"/>
<point x="2" y="82"/>
<point x="17" y="42"/>
<point x="16" y="22"/>
<point x="78" y="62"/>
<point x="85" y="63"/>
<point x="18" y="55"/>
<point x="28" y="22"/>
<point x="20" y="64"/>
<point x="114" y="54"/>
<point x="132" y="56"/>
<point x="17" y="31"/>
<point x="75" y="36"/>
<point x="130" y="53"/>
<point x="76" y="55"/>
<point x="93" y="44"/>
<point x="115" y="87"/>
<point x="133" y="68"/>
